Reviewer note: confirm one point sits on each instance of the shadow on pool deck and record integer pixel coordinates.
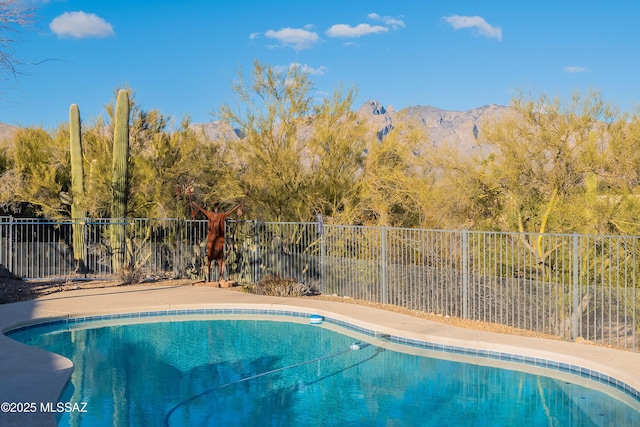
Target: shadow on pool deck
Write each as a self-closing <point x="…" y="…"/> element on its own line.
<point x="32" y="375"/>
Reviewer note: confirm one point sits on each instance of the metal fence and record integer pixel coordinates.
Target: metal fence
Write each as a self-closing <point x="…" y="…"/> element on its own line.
<point x="43" y="249"/>
<point x="565" y="285"/>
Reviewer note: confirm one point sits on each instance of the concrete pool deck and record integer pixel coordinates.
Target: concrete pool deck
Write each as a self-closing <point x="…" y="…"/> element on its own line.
<point x="31" y="375"/>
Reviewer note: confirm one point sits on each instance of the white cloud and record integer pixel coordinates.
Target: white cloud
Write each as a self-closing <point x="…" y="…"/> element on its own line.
<point x="389" y="21"/>
<point x="80" y="25"/>
<point x="344" y="30"/>
<point x="320" y="71"/>
<point x="479" y="26"/>
<point x="304" y="68"/>
<point x="296" y="38"/>
<point x="254" y="36"/>
<point x="574" y="69"/>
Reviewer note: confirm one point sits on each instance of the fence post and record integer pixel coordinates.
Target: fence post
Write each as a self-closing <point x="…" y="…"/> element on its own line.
<point x="177" y="227"/>
<point x="383" y="264"/>
<point x="85" y="234"/>
<point x="11" y="258"/>
<point x="2" y="243"/>
<point x="256" y="261"/>
<point x="3" y="234"/>
<point x="465" y="274"/>
<point x="320" y="230"/>
<point x="576" y="289"/>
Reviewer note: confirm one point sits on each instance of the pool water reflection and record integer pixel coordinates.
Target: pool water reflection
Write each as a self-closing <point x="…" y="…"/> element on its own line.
<point x="287" y="373"/>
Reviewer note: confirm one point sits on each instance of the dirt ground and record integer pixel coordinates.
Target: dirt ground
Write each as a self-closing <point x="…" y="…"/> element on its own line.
<point x="12" y="290"/>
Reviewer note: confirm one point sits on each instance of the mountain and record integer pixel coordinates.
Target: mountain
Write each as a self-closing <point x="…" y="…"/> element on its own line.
<point x="6" y="133"/>
<point x="461" y="128"/>
<point x="380" y="119"/>
<point x="217" y="130"/>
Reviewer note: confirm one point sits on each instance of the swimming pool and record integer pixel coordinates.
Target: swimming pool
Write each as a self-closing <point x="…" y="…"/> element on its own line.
<point x="230" y="369"/>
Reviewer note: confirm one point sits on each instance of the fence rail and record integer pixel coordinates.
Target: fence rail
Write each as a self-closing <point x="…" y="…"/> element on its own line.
<point x="565" y="285"/>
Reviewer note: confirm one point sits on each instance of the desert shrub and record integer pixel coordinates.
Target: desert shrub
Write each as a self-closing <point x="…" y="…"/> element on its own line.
<point x="281" y="287"/>
<point x="130" y="275"/>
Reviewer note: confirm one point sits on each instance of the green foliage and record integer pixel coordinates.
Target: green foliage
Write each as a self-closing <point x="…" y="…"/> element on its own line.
<point x="533" y="167"/>
<point x="393" y="187"/>
<point x="276" y="107"/>
<point x="462" y="194"/>
<point x="290" y="142"/>
<point x="334" y="155"/>
<point x="38" y="174"/>
<point x="98" y="152"/>
<point x="553" y="165"/>
<point x="174" y="160"/>
<point x="5" y="161"/>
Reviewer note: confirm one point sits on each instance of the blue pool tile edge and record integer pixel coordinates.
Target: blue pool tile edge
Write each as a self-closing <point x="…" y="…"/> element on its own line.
<point x="410" y="342"/>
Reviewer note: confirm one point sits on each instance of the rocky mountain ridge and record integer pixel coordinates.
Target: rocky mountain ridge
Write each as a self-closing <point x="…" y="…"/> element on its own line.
<point x="462" y="128"/>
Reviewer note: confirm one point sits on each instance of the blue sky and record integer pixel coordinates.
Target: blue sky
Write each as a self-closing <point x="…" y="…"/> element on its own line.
<point x="181" y="57"/>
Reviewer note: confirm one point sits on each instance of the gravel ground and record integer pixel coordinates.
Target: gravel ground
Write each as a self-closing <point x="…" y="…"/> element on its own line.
<point x="454" y="321"/>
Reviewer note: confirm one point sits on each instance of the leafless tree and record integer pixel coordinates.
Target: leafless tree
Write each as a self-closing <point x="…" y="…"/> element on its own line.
<point x="15" y="15"/>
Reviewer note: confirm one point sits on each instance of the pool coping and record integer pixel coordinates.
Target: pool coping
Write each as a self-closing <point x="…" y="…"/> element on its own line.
<point x="34" y="375"/>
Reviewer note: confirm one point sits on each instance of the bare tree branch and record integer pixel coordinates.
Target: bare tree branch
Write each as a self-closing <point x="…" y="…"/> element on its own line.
<point x="15" y="15"/>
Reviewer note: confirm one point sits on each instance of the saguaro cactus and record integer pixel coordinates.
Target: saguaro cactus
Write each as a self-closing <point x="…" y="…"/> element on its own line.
<point x="78" y="210"/>
<point x="120" y="181"/>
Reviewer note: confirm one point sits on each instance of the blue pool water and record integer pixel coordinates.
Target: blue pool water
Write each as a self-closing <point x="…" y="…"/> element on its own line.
<point x="276" y="373"/>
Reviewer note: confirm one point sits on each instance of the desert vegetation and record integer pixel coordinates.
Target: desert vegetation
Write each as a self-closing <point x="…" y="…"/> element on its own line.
<point x="550" y="165"/>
